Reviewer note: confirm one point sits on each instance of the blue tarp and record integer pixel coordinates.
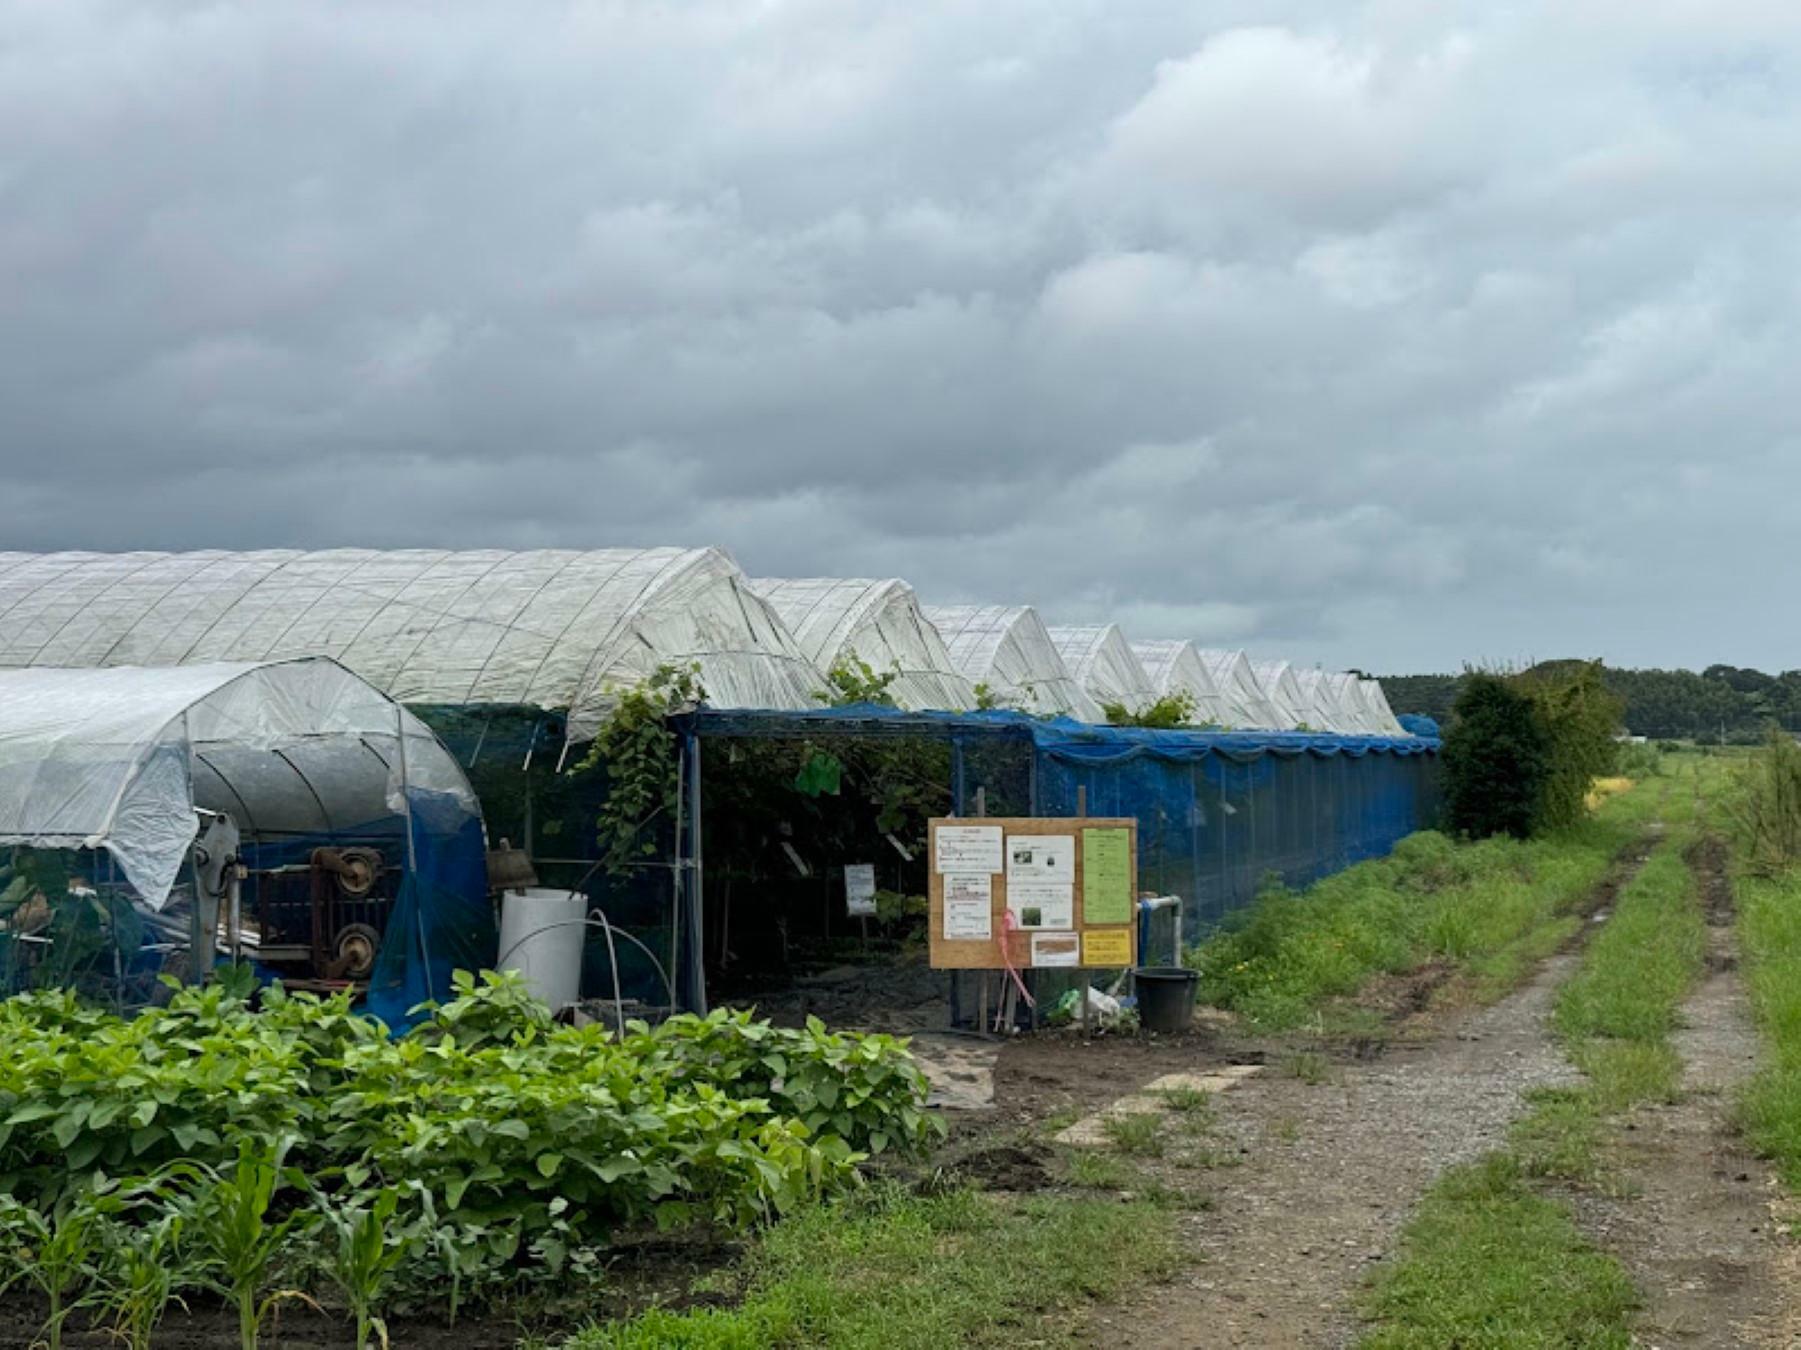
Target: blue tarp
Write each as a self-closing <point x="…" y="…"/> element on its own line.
<point x="1220" y="814"/>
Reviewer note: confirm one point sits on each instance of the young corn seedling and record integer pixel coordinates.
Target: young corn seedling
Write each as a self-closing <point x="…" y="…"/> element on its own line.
<point x="362" y="1259"/>
<point x="56" y="1252"/>
<point x="233" y="1227"/>
<point x="141" y="1277"/>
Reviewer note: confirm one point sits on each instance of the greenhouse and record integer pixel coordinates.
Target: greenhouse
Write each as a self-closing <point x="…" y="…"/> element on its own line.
<point x="1245" y="704"/>
<point x="1176" y="668"/>
<point x="552" y="628"/>
<point x="1288" y="702"/>
<point x="126" y="768"/>
<point x="877" y="622"/>
<point x="1104" y="664"/>
<point x="1324" y="696"/>
<point x="1007" y="649"/>
<point x="1381" y="717"/>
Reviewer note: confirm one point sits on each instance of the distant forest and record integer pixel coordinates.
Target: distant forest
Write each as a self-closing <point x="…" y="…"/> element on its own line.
<point x="1729" y="703"/>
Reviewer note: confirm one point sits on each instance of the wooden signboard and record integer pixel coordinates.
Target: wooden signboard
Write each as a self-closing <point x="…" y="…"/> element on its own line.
<point x="1071" y="885"/>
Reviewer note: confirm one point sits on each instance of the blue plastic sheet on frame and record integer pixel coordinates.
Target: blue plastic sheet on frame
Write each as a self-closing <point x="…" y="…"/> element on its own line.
<point x="1221" y="814"/>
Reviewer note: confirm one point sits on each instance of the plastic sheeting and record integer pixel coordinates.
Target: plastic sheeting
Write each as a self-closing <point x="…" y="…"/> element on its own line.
<point x="1326" y="700"/>
<point x="551" y="628"/>
<point x="878" y="622"/>
<point x="1382" y="718"/>
<point x="1006" y="648"/>
<point x="118" y="759"/>
<point x="1176" y="667"/>
<point x="1219" y="815"/>
<point x="1287" y="700"/>
<point x="1244" y="702"/>
<point x="1105" y="665"/>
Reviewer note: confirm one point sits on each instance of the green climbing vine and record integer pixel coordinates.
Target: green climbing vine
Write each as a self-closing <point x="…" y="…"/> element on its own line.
<point x="1172" y="710"/>
<point x="854" y="680"/>
<point x="636" y="749"/>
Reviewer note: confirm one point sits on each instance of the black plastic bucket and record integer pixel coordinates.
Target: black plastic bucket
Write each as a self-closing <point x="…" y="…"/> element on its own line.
<point x="1165" y="997"/>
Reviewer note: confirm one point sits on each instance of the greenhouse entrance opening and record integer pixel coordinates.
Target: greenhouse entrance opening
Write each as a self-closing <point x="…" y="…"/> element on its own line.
<point x="816" y="859"/>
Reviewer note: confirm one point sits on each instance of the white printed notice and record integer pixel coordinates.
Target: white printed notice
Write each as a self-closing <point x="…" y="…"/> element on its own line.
<point x="967" y="848"/>
<point x="1056" y="949"/>
<point x="859" y="889"/>
<point x="1041" y="857"/>
<point x="1042" y="904"/>
<point x="969" y="906"/>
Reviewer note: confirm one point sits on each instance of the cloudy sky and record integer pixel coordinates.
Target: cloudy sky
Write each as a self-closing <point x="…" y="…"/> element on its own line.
<point x="1390" y="334"/>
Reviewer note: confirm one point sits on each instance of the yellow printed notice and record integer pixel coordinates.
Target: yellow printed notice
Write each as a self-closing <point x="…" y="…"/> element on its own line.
<point x="1106" y="877"/>
<point x="1107" y="946"/>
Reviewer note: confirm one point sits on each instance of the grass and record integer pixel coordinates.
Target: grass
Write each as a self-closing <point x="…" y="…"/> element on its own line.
<point x="1309" y="1066"/>
<point x="890" y="1269"/>
<point x="1487" y="1260"/>
<point x="1769" y="911"/>
<point x="1139" y="1134"/>
<point x="1616" y="1013"/>
<point x="1493" y="907"/>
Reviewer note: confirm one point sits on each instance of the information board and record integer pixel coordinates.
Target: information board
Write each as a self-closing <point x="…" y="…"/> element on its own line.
<point x="1057" y="891"/>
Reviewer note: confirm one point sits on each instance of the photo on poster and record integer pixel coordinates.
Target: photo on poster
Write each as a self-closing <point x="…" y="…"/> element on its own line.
<point x="1042" y="904"/>
<point x="1041" y="857"/>
<point x="1056" y="949"/>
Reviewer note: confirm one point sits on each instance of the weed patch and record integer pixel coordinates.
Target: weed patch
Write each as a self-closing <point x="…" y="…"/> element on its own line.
<point x="893" y="1270"/>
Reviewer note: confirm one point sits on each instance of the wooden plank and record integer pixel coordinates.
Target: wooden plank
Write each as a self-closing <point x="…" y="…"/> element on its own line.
<point x="975" y="954"/>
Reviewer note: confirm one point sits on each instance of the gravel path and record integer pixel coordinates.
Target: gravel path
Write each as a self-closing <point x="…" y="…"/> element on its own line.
<point x="1332" y="1170"/>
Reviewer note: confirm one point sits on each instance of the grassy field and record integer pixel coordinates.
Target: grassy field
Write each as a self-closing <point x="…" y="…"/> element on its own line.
<point x="1492" y="908"/>
<point x="891" y="1269"/>
<point x="1489" y="1259"/>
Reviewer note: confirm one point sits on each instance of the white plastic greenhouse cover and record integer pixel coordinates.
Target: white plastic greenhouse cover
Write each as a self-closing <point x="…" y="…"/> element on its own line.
<point x="1007" y="648"/>
<point x="119" y="758"/>
<point x="1247" y="706"/>
<point x="1105" y="665"/>
<point x="1328" y="708"/>
<point x="555" y="628"/>
<point x="1284" y="693"/>
<point x="1176" y="667"/>
<point x="880" y="622"/>
<point x="1382" y="716"/>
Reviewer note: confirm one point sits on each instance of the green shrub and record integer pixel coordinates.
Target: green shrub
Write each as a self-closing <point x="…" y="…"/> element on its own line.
<point x="1496" y="760"/>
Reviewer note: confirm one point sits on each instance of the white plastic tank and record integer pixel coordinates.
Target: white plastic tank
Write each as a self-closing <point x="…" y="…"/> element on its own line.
<point x="541" y="934"/>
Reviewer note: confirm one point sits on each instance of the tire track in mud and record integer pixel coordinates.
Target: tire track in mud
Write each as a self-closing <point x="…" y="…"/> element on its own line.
<point x="1331" y="1172"/>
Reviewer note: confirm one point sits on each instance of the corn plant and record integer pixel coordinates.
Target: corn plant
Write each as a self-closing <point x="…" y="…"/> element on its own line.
<point x="233" y="1227"/>
<point x="56" y="1252"/>
<point x="140" y="1279"/>
<point x="362" y="1258"/>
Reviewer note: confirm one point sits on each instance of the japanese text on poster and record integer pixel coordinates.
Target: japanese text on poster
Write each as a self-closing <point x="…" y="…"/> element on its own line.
<point x="968" y="848"/>
<point x="1106" y="876"/>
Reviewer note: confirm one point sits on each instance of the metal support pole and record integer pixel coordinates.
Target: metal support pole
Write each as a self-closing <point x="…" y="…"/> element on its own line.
<point x="697" y="963"/>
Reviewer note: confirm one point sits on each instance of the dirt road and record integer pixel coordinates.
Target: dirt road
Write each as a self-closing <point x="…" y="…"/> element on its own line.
<point x="1331" y="1169"/>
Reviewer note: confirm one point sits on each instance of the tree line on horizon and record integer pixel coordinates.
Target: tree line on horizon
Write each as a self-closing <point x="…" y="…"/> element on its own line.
<point x="1721" y="704"/>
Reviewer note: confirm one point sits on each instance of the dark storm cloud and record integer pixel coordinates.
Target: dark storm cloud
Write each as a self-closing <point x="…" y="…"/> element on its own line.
<point x="1384" y="334"/>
